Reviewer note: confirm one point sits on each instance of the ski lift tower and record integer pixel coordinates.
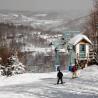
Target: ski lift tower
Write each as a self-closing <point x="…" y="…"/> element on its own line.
<point x="71" y="54"/>
<point x="58" y="44"/>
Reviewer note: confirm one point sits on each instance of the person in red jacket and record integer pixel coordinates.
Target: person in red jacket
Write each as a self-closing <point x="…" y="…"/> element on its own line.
<point x="74" y="72"/>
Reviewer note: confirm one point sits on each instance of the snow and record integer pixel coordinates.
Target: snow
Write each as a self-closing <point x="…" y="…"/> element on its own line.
<point x="78" y="38"/>
<point x="41" y="15"/>
<point x="62" y="50"/>
<point x="25" y="18"/>
<point x="35" y="49"/>
<point x="41" y="85"/>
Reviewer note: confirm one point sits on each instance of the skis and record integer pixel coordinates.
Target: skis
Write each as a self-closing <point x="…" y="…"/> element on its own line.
<point x="60" y="83"/>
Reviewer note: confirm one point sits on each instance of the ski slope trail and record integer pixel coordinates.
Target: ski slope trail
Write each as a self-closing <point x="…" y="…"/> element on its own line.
<point x="41" y="85"/>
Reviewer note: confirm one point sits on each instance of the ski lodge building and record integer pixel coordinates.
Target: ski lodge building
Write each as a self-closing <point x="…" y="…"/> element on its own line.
<point x="79" y="47"/>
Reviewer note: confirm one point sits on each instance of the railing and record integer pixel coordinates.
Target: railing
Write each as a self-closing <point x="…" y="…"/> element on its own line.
<point x="96" y="58"/>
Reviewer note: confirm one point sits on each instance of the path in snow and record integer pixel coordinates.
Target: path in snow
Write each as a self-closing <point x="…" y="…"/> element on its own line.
<point x="86" y="86"/>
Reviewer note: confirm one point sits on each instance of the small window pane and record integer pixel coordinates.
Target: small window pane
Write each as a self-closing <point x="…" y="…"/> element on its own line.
<point x="82" y="47"/>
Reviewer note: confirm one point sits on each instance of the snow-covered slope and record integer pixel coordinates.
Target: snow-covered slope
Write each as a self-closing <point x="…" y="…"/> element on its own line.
<point x="35" y="85"/>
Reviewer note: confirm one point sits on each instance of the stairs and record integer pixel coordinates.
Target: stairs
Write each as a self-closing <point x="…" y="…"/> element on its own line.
<point x="91" y="54"/>
<point x="93" y="57"/>
<point x="96" y="58"/>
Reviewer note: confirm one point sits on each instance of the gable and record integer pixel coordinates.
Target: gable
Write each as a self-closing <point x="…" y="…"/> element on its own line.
<point x="83" y="41"/>
<point x="79" y="38"/>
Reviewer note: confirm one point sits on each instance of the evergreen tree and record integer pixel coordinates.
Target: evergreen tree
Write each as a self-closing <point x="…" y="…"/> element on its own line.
<point x="15" y="65"/>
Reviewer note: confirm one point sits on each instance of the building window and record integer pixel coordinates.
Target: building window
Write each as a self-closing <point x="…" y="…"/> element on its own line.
<point x="82" y="53"/>
<point x="82" y="47"/>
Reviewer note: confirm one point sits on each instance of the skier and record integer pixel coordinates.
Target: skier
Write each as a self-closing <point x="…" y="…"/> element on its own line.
<point x="74" y="72"/>
<point x="59" y="76"/>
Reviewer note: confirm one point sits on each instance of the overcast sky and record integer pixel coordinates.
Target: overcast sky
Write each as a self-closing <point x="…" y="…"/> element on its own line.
<point x="36" y="5"/>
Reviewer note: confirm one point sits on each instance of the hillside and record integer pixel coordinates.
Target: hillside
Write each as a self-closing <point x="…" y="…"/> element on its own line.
<point x="30" y="33"/>
<point x="46" y="20"/>
<point x="39" y="26"/>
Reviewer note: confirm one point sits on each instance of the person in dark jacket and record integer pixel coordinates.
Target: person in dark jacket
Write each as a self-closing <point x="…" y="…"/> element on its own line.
<point x="60" y="76"/>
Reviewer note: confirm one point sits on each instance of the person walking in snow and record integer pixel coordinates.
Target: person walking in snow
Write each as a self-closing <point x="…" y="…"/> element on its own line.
<point x="59" y="76"/>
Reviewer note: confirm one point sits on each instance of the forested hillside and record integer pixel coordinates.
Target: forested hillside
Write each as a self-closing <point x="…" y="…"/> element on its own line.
<point x="29" y="35"/>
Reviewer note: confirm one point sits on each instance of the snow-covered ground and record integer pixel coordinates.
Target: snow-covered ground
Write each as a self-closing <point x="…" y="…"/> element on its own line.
<point x="42" y="85"/>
